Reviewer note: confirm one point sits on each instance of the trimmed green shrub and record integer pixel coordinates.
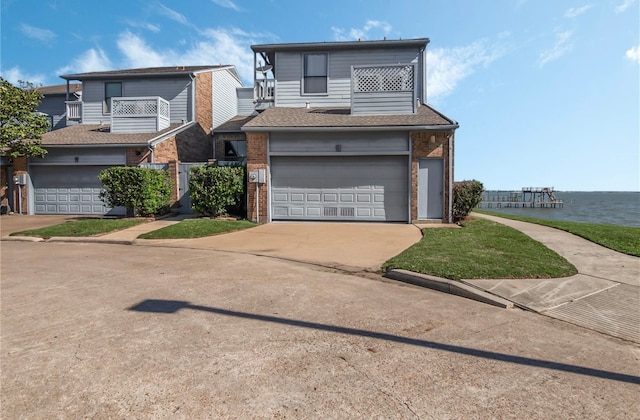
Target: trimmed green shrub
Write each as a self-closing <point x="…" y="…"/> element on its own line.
<point x="143" y="191"/>
<point x="213" y="189"/>
<point x="466" y="196"/>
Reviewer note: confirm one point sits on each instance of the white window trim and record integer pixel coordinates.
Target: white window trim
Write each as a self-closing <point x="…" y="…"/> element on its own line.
<point x="104" y="94"/>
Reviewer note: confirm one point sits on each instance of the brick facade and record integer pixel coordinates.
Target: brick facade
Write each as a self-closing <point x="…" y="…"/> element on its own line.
<point x="20" y="167"/>
<point x="166" y="151"/>
<point x="257" y="159"/>
<point x="431" y="144"/>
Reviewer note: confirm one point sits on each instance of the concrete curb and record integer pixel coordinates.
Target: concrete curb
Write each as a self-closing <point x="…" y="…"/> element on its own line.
<point x="448" y="286"/>
<point x="22" y="238"/>
<point x="96" y="240"/>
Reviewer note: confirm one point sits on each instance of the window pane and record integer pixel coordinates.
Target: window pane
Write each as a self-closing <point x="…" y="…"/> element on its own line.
<point x="112" y="89"/>
<point x="315" y="65"/>
<point x="315" y="85"/>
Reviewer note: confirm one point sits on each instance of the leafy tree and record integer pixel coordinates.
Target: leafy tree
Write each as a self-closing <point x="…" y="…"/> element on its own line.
<point x="21" y="126"/>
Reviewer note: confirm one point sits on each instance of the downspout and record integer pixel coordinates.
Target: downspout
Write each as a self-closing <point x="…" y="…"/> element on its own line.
<point x="450" y="141"/>
<point x="152" y="148"/>
<point x="193" y="97"/>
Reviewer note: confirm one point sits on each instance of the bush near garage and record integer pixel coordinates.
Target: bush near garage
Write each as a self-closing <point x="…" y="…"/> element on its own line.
<point x="215" y="189"/>
<point x="466" y="196"/>
<point x="143" y="191"/>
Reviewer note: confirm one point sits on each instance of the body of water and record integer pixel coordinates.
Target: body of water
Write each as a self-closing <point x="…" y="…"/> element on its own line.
<point x="613" y="208"/>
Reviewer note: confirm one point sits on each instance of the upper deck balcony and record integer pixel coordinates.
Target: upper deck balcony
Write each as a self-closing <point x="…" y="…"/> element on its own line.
<point x="139" y="115"/>
<point x="386" y="89"/>
<point x="130" y="115"/>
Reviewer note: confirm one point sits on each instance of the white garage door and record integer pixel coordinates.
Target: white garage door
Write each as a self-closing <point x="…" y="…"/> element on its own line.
<point x="69" y="190"/>
<point x="371" y="188"/>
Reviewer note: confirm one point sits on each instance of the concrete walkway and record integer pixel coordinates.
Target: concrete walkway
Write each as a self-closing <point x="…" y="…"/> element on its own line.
<point x="603" y="296"/>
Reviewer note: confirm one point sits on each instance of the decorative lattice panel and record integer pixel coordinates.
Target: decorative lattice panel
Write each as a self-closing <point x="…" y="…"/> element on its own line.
<point x="164" y="109"/>
<point x="383" y="79"/>
<point x="130" y="107"/>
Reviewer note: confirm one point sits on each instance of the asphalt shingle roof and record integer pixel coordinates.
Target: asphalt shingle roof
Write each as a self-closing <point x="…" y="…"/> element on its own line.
<point x="235" y="123"/>
<point x="59" y="89"/>
<point x="148" y="71"/>
<point x="341" y="117"/>
<point x="95" y="134"/>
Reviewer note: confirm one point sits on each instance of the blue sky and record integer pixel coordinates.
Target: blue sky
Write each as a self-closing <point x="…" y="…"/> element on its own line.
<point x="546" y="91"/>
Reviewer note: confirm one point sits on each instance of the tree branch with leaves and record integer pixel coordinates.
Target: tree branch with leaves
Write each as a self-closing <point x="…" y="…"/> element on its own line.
<point x="21" y="125"/>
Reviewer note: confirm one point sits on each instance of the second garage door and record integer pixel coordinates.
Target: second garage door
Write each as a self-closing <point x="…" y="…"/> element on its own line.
<point x="357" y="188"/>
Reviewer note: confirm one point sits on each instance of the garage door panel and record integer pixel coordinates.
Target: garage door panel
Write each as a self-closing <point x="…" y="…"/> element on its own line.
<point x="372" y="188"/>
<point x="69" y="190"/>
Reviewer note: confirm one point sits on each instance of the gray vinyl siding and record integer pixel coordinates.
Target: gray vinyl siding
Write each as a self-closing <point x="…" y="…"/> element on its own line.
<point x="135" y="125"/>
<point x="299" y="144"/>
<point x="84" y="156"/>
<point x="54" y="106"/>
<point x="289" y="75"/>
<point x="176" y="90"/>
<point x="245" y="101"/>
<point x="225" y="100"/>
<point x="382" y="103"/>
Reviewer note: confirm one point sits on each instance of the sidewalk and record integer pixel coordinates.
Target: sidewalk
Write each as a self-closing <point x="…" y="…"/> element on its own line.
<point x="604" y="296"/>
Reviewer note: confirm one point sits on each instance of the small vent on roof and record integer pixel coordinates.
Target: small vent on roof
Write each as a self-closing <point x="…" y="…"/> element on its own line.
<point x="330" y="211"/>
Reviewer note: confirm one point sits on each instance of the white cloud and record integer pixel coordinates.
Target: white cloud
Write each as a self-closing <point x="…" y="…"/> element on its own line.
<point x="144" y="25"/>
<point x="138" y="54"/>
<point x="172" y="14"/>
<point x="215" y="46"/>
<point x="633" y="54"/>
<point x="624" y="6"/>
<point x="40" y="34"/>
<point x="576" y="11"/>
<point x="446" y="67"/>
<point x="561" y="47"/>
<point x="229" y="4"/>
<point x="381" y="29"/>
<point x="14" y="75"/>
<point x="94" y="59"/>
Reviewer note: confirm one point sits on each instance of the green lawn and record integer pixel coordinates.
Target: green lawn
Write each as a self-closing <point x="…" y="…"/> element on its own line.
<point x="85" y="227"/>
<point x="197" y="228"/>
<point x="481" y="249"/>
<point x="625" y="239"/>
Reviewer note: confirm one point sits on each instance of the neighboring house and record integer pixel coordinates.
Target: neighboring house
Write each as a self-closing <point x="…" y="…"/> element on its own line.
<point x="126" y="117"/>
<point x="345" y="134"/>
<point x="53" y="103"/>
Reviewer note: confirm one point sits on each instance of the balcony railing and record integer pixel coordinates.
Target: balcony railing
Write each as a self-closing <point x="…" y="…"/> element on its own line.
<point x="264" y="90"/>
<point x="389" y="89"/>
<point x="74" y="110"/>
<point x="139" y="115"/>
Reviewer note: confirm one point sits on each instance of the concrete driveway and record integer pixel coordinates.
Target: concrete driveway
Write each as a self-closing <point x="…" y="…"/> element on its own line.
<point x="114" y="331"/>
<point x="347" y="246"/>
<point x="10" y="223"/>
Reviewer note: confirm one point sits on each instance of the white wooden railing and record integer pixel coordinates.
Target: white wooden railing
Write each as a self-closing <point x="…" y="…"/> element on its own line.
<point x="74" y="110"/>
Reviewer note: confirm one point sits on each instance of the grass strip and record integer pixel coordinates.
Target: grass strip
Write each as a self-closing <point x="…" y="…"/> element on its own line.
<point x="481" y="249"/>
<point x="197" y="228"/>
<point x="624" y="239"/>
<point x="85" y="227"/>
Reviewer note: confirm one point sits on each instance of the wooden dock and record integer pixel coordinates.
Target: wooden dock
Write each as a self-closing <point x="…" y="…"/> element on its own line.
<point x="528" y="197"/>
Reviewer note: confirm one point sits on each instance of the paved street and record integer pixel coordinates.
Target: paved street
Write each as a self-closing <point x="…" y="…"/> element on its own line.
<point x="97" y="330"/>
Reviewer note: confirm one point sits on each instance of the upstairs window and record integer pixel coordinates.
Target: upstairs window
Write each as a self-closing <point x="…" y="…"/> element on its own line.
<point x="111" y="90"/>
<point x="315" y="73"/>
